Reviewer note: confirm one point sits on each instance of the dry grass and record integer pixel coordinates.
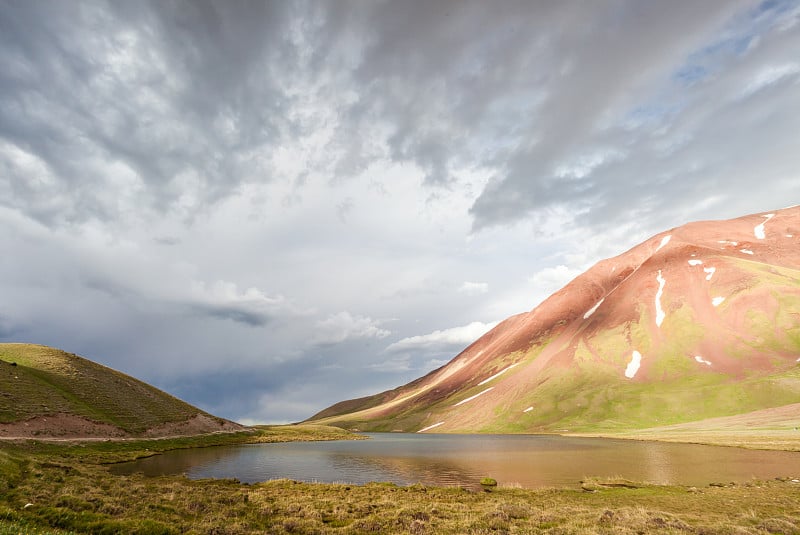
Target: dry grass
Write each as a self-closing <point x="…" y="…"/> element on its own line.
<point x="776" y="428"/>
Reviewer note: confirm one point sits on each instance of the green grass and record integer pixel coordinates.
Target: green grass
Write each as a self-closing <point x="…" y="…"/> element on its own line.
<point x="40" y="381"/>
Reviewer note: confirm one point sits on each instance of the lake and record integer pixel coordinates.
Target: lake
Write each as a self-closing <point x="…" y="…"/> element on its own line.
<point x="529" y="461"/>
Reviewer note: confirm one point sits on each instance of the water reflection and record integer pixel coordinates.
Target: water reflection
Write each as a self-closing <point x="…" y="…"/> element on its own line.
<point x="523" y="460"/>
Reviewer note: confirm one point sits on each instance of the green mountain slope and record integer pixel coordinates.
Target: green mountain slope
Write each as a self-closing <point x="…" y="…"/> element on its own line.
<point x="39" y="382"/>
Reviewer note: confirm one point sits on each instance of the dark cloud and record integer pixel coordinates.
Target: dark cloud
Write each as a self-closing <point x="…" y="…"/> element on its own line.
<point x="612" y="54"/>
<point x="168" y="98"/>
<point x="233" y="313"/>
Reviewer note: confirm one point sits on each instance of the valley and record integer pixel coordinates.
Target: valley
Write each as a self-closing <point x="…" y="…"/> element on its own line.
<point x="693" y="336"/>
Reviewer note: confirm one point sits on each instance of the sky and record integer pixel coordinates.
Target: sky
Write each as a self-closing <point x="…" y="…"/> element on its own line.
<point x="268" y="207"/>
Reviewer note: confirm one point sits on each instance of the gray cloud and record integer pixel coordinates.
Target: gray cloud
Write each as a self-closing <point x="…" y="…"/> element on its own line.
<point x="237" y="314"/>
<point x="166" y="101"/>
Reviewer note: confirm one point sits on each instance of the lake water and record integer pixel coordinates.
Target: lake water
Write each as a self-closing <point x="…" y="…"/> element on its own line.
<point x="529" y="461"/>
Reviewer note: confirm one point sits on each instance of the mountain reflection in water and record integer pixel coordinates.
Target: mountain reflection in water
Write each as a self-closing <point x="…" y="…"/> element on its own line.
<point x="530" y="461"/>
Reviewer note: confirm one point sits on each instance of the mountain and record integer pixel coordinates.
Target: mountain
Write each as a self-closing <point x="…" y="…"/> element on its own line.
<point x="45" y="392"/>
<point x="698" y="322"/>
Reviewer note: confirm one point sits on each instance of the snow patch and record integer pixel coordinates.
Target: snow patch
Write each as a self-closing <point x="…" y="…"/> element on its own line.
<point x="473" y="397"/>
<point x="758" y="230"/>
<point x="659" y="311"/>
<point x="728" y="242"/>
<point x="717" y="301"/>
<point x="790" y="235"/>
<point x="498" y="374"/>
<point x="746" y="251"/>
<point x="710" y="271"/>
<point x="593" y="309"/>
<point x="529" y="409"/>
<point x="633" y="365"/>
<point x="701" y="360"/>
<point x="695" y="262"/>
<point x="664" y="241"/>
<point x="437" y="424"/>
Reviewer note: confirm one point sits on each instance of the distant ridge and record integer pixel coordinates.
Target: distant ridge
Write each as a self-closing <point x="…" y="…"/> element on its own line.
<point x="701" y="321"/>
<point x="46" y="392"/>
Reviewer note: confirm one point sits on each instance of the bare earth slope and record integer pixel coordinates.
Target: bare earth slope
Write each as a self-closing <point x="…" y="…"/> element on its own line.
<point x="45" y="392"/>
<point x="698" y="322"/>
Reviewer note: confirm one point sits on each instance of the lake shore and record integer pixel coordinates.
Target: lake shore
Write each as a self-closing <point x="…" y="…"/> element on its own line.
<point x="775" y="440"/>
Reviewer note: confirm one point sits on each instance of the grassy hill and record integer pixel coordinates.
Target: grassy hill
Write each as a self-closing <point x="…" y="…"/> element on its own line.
<point x="39" y="382"/>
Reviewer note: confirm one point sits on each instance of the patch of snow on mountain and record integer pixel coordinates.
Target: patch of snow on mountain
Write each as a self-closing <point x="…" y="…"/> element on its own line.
<point x="717" y="301"/>
<point x="710" y="271"/>
<point x="758" y="230"/>
<point x="592" y="310"/>
<point x="633" y="365"/>
<point x="664" y="241"/>
<point x="437" y="424"/>
<point x="498" y="374"/>
<point x="529" y="409"/>
<point x="695" y="262"/>
<point x="746" y="251"/>
<point x="701" y="360"/>
<point x="473" y="397"/>
<point x="659" y="311"/>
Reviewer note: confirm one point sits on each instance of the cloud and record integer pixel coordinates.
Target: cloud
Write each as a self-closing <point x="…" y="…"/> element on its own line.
<point x="568" y="122"/>
<point x="552" y="279"/>
<point x="223" y="300"/>
<point x="455" y="337"/>
<point x="474" y="288"/>
<point x="396" y="364"/>
<point x="167" y="103"/>
<point x="342" y="326"/>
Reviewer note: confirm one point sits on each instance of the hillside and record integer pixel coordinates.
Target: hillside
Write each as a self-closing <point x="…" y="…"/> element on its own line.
<point x="699" y="322"/>
<point x="45" y="392"/>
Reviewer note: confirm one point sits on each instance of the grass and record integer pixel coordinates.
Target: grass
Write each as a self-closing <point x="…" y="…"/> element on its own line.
<point x="71" y="492"/>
